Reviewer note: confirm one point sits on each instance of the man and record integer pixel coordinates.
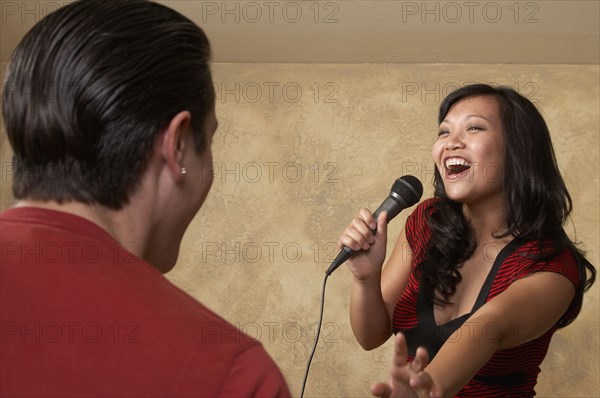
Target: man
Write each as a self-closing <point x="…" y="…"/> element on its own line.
<point x="109" y="109"/>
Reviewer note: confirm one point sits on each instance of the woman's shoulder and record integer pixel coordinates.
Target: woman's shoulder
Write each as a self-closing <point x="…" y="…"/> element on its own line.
<point x="416" y="223"/>
<point x="422" y="211"/>
<point x="425" y="206"/>
<point x="544" y="255"/>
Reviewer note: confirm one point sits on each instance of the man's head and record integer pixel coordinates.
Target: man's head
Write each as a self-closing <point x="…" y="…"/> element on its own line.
<point x="89" y="89"/>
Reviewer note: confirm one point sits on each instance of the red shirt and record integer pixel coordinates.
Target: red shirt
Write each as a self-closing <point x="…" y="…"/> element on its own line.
<point x="82" y="317"/>
<point x="511" y="372"/>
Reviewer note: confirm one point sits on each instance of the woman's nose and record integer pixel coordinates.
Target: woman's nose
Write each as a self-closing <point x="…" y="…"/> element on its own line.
<point x="454" y="141"/>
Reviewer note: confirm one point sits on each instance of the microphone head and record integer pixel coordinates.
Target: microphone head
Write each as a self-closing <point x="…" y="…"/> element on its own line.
<point x="409" y="188"/>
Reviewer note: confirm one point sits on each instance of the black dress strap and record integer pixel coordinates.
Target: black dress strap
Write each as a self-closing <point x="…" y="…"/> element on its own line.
<point x="432" y="336"/>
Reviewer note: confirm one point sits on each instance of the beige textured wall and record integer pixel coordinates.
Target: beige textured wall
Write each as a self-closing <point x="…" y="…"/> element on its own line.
<point x="301" y="148"/>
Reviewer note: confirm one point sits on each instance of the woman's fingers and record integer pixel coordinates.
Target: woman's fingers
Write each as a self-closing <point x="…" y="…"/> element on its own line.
<point x="421" y="359"/>
<point x="362" y="228"/>
<point x="358" y="235"/>
<point x="400" y="351"/>
<point x="365" y="215"/>
<point x="353" y="239"/>
<point x="381" y="390"/>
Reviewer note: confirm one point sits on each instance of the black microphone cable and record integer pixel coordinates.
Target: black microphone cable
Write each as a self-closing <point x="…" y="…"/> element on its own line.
<point x="405" y="192"/>
<point x="317" y="335"/>
<point x="338" y="260"/>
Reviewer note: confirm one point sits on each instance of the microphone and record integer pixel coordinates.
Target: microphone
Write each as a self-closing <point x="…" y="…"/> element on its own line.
<point x="406" y="191"/>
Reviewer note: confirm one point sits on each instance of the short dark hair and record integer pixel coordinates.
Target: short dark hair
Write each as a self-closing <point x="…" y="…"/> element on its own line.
<point x="89" y="88"/>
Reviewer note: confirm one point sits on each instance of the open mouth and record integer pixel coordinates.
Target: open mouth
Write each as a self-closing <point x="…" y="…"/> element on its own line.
<point x="456" y="166"/>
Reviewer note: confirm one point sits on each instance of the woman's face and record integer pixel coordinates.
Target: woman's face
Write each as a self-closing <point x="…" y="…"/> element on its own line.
<point x="469" y="151"/>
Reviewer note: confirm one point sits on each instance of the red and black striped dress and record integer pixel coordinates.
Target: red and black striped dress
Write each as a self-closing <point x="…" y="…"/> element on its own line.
<point x="510" y="372"/>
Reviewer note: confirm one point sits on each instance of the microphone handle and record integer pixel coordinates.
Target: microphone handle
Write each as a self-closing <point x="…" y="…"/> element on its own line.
<point x="344" y="254"/>
<point x="391" y="205"/>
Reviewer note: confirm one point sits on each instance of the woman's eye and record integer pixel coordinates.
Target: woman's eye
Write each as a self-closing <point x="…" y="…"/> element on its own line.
<point x="474" y="128"/>
<point x="442" y="133"/>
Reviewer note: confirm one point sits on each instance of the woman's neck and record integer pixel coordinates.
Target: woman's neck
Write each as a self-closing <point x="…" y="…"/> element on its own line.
<point x="487" y="221"/>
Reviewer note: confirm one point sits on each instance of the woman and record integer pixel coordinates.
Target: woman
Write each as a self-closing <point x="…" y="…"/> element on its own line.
<point x="484" y="273"/>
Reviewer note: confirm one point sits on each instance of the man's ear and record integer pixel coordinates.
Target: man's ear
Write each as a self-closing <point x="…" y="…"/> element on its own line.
<point x="174" y="141"/>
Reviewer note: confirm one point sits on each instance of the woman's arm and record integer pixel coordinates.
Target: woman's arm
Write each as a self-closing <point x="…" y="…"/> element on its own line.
<point x="375" y="291"/>
<point x="523" y="312"/>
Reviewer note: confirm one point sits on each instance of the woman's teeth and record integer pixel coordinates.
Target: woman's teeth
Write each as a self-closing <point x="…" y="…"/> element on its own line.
<point x="457" y="165"/>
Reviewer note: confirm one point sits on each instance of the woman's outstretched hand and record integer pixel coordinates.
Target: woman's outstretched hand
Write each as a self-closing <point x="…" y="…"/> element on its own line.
<point x="407" y="379"/>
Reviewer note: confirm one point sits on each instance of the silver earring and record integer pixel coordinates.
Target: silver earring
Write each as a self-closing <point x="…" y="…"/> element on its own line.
<point x="183" y="170"/>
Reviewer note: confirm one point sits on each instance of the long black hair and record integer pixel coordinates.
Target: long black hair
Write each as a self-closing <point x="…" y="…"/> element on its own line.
<point x="89" y="88"/>
<point x="538" y="203"/>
